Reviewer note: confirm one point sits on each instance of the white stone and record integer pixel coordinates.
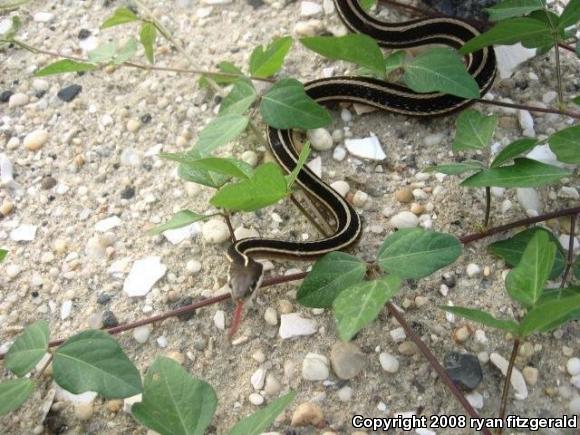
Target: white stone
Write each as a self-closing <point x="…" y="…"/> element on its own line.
<point x="219" y="319"/>
<point x="573" y="366"/>
<point x="433" y="139"/>
<point x="308" y="28"/>
<point x="509" y="57"/>
<point x="65" y="309"/>
<point x="108" y="224"/>
<point x="256" y="399"/>
<point x="315" y="165"/>
<point x="420" y="194"/>
<point x="360" y="198"/>
<point x="543" y="153"/>
<point x="517" y="379"/>
<point x="250" y="157"/>
<point x="18" y="99"/>
<point x="33" y="141"/>
<point x="341" y="187"/>
<point x="366" y="148"/>
<point x="162" y="341"/>
<point x="143" y="276"/>
<point x="549" y="96"/>
<point x="339" y="154"/>
<point x="193" y="266"/>
<point x="475" y="399"/>
<point x="568" y="193"/>
<point x="398" y="335"/>
<point x="64" y="396"/>
<point x="389" y="363"/>
<point x="130" y="157"/>
<point x="215" y="231"/>
<point x="320" y="139"/>
<point x="404" y="219"/>
<point x="564" y="240"/>
<point x="345" y="394"/>
<point x="271" y="316"/>
<point x="141" y="333"/>
<point x="89" y="44"/>
<point x="310" y="9"/>
<point x="258" y="379"/>
<point x="43" y="17"/>
<point x="497" y="192"/>
<point x="526" y="123"/>
<point x="13" y="270"/>
<point x="345" y="115"/>
<point x="529" y="199"/>
<point x="473" y="270"/>
<point x="23" y="233"/>
<point x="178" y="235"/>
<point x="294" y="325"/>
<point x="315" y="367"/>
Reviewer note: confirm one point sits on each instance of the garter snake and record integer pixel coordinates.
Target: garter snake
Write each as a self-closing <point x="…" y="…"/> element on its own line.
<point x="245" y="273"/>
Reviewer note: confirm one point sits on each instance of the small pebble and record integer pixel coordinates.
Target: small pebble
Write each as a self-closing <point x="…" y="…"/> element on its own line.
<point x="347" y="360"/>
<point x="360" y="198"/>
<point x="215" y="231"/>
<point x="307" y="414"/>
<point x="408" y="348"/>
<point x="573" y="366"/>
<point x="315" y="367"/>
<point x="473" y="270"/>
<point x="389" y="362"/>
<point x="345" y="394"/>
<point x="294" y="325"/>
<point x="574" y="405"/>
<point x="271" y="316"/>
<point x="193" y="266"/>
<point x="258" y="379"/>
<point x="84" y="411"/>
<point x="141" y="333"/>
<point x="35" y="140"/>
<point x="256" y="399"/>
<point x="530" y="375"/>
<point x="219" y="320"/>
<point x="272" y="386"/>
<point x="250" y="157"/>
<point x="69" y="93"/>
<point x="341" y="187"/>
<point x="109" y="319"/>
<point x="404" y="195"/>
<point x="133" y="125"/>
<point x="404" y="219"/>
<point x="320" y="139"/>
<point x="464" y="369"/>
<point x="17" y="100"/>
<point x="6" y="208"/>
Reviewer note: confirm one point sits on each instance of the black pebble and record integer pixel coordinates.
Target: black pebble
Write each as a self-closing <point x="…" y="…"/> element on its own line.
<point x="146" y="119"/>
<point x="103" y="299"/>
<point x="109" y="320"/>
<point x="188" y="300"/>
<point x="34" y="294"/>
<point x="255" y="3"/>
<point x="448" y="279"/>
<point x="464" y="369"/>
<point x="69" y="93"/>
<point x="84" y="33"/>
<point x="5" y="96"/>
<point x="40" y="94"/>
<point x="128" y="192"/>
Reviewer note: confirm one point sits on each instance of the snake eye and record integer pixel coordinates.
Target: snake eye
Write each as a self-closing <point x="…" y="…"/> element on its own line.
<point x="245" y="278"/>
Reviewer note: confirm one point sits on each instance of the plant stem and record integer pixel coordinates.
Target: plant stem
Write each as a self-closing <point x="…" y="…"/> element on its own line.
<point x="508" y="377"/>
<point x="230" y="227"/>
<point x="575" y="115"/>
<point x="487" y="206"/>
<point x="44" y="367"/>
<point x="570" y="257"/>
<point x="559" y="76"/>
<point x="434" y="363"/>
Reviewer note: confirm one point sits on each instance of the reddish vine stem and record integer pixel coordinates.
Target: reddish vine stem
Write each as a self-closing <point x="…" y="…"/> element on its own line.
<point x="575" y="115"/>
<point x="570" y="257"/>
<point x="434" y="363"/>
<point x="508" y="377"/>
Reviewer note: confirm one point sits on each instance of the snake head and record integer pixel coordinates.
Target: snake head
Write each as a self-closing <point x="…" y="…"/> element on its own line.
<point x="245" y="277"/>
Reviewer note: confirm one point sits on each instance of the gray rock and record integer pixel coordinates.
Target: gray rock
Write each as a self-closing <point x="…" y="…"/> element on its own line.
<point x="347" y="360"/>
<point x="464" y="369"/>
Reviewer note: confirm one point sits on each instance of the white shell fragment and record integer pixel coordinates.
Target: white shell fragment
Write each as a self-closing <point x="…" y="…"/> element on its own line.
<point x="293" y="325"/>
<point x="107" y="224"/>
<point x="517" y="379"/>
<point x="23" y="233"/>
<point x="143" y="276"/>
<point x="7" y="174"/>
<point x="509" y="57"/>
<point x="315" y="165"/>
<point x="178" y="235"/>
<point x="366" y="148"/>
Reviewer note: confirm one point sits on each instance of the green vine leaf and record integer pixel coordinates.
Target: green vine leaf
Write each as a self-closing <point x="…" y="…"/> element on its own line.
<point x="13" y="393"/>
<point x="417" y="253"/>
<point x="267" y="62"/>
<point x="355" y="47"/>
<point x="180" y="219"/>
<point x="28" y="349"/>
<point x="482" y="317"/>
<point x="474" y="130"/>
<point x="120" y="16"/>
<point x="3" y="254"/>
<point x="513" y="150"/>
<point x="174" y="403"/>
<point x="440" y="70"/>
<point x="218" y="165"/>
<point x="64" y="66"/>
<point x="548" y="313"/>
<point x="566" y="144"/>
<point x="514" y="8"/>
<point x="221" y="79"/>
<point x="570" y="15"/>
<point x="523" y="173"/>
<point x="394" y="61"/>
<point x="195" y="173"/>
<point x="358" y="305"/>
<point x="286" y="105"/>
<point x="457" y="168"/>
<point x="220" y="131"/>
<point x="330" y="275"/>
<point x="94" y="361"/>
<point x="259" y="422"/>
<point x="240" y="98"/>
<point x="147" y="36"/>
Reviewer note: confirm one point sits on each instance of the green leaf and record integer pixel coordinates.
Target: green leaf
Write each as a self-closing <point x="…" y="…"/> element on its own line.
<point x="571" y="15"/>
<point x="266" y="187"/>
<point x="147" y="36"/>
<point x="528" y="31"/>
<point x="514" y="8"/>
<point x="240" y="98"/>
<point x="457" y="168"/>
<point x="360" y="304"/>
<point x="577" y="99"/>
<point x="261" y="420"/>
<point x="523" y="173"/>
<point x="482" y="317"/>
<point x="577" y="268"/>
<point x="220" y="131"/>
<point x="512" y="249"/>
<point x="474" y="130"/>
<point x="94" y="361"/>
<point x="267" y="62"/>
<point x="179" y="219"/>
<point x="513" y="150"/>
<point x="13" y="393"/>
<point x="417" y="253"/>
<point x="286" y="105"/>
<point x="3" y="254"/>
<point x="367" y="4"/>
<point x="196" y="174"/>
<point x="126" y="52"/>
<point x="220" y="79"/>
<point x="120" y="16"/>
<point x="15" y="25"/>
<point x="174" y="403"/>
<point x="64" y="66"/>
<point x="304" y="153"/>
<point x="554" y="294"/>
<point x="355" y="47"/>
<point x="28" y="349"/>
<point x="224" y="166"/>
<point x="103" y="53"/>
<point x="548" y="313"/>
<point x="394" y="61"/>
<point x="330" y="275"/>
<point x="566" y="144"/>
<point x="526" y="281"/>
